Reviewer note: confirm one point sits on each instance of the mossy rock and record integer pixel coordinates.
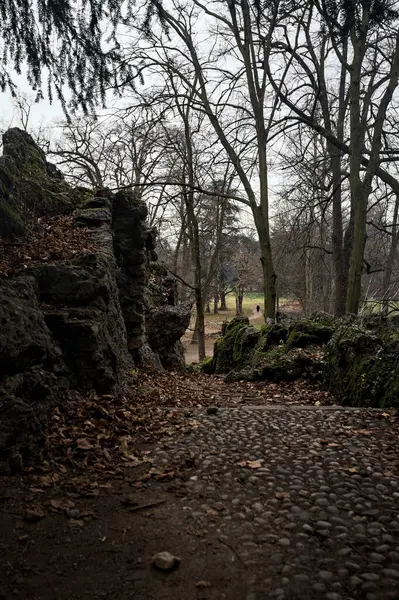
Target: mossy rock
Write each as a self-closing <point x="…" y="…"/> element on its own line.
<point x="207" y="366"/>
<point x="308" y="333"/>
<point x="12" y="224"/>
<point x="280" y="364"/>
<point x="272" y="335"/>
<point x="229" y="350"/>
<point x="29" y="185"/>
<point x="362" y="367"/>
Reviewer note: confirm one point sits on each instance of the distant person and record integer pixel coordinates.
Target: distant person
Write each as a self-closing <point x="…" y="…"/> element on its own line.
<point x="257" y="308"/>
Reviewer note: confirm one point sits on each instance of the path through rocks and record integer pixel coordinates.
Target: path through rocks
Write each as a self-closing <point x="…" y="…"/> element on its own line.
<point x="279" y="502"/>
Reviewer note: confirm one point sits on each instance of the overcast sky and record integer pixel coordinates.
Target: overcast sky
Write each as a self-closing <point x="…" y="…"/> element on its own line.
<point x="41" y="113"/>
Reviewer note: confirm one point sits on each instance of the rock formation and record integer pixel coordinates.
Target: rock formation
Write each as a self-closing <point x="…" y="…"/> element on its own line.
<point x="79" y="323"/>
<point x="357" y="359"/>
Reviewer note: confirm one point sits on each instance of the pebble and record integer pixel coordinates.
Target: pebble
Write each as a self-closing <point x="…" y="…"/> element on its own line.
<point x="165" y="561"/>
<point x="284" y="542"/>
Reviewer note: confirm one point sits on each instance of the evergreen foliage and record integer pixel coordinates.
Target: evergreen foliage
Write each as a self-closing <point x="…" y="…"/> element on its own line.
<point x="66" y="38"/>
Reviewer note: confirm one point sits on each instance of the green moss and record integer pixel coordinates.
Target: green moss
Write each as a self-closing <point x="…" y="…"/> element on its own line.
<point x="298" y="339"/>
<point x="228" y="350"/>
<point x="270" y="336"/>
<point x="362" y="369"/>
<point x="11" y="221"/>
<point x="207" y="365"/>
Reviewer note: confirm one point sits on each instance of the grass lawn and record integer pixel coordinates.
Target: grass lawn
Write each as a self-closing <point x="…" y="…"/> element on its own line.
<point x="250" y="301"/>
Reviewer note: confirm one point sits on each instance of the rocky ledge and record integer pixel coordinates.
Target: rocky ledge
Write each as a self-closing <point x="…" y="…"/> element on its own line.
<point x="78" y="323"/>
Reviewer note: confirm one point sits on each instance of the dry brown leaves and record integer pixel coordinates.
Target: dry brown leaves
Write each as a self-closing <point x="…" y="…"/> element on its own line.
<point x="51" y="239"/>
<point x="185" y="390"/>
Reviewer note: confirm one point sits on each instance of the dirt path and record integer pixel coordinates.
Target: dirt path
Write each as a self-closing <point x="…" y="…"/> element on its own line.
<point x="263" y="499"/>
<point x="212" y="331"/>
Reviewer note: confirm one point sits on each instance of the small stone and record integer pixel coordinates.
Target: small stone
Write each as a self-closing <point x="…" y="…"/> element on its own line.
<point x="391" y="573"/>
<point x="322" y="502"/>
<point x="33" y="515"/>
<point x="307" y="528"/>
<point x="376" y="557"/>
<point x="370" y="576"/>
<point x="325" y="575"/>
<point x="323" y="524"/>
<point x="354" y="581"/>
<point x="333" y="596"/>
<point x="165" y="561"/>
<point x="212" y="410"/>
<point x="284" y="542"/>
<point x="203" y="584"/>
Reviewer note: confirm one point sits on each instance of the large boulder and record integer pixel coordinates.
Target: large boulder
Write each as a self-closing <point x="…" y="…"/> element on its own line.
<point x="362" y="364"/>
<point x="276" y="352"/>
<point x="130" y="238"/>
<point x="62" y="326"/>
<point x="164" y="327"/>
<point x="166" y="320"/>
<point x="29" y="360"/>
<point x="29" y="185"/>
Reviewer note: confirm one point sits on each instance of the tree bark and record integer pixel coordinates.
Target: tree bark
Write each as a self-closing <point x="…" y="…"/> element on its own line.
<point x="223" y="305"/>
<point x="393" y="251"/>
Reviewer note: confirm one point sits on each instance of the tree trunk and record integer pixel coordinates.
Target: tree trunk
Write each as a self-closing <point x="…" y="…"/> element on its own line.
<point x="308" y="283"/>
<point x="240" y="299"/>
<point x="237" y="304"/>
<point x="392" y="254"/>
<point x="215" y="304"/>
<point x="340" y="280"/>
<point x="223" y="305"/>
<point x="269" y="276"/>
<point x="358" y="245"/>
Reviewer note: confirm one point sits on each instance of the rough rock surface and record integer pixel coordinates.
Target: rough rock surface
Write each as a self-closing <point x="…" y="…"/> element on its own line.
<point x="362" y="365"/>
<point x="29" y="359"/>
<point x="165" y="320"/>
<point x="130" y="237"/>
<point x="29" y="185"/>
<point x="78" y="323"/>
<point x="358" y="359"/>
<point x="277" y="352"/>
<point x="62" y="326"/>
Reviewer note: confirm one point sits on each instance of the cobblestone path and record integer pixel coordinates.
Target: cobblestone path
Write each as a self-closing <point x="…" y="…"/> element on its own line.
<point x="259" y="503"/>
<point x="314" y="511"/>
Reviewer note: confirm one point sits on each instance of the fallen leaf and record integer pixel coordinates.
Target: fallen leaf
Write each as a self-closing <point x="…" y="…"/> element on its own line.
<point x="62" y="504"/>
<point x="251" y="464"/>
<point x="34" y="514"/>
<point x="78" y="523"/>
<point x="84" y="444"/>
